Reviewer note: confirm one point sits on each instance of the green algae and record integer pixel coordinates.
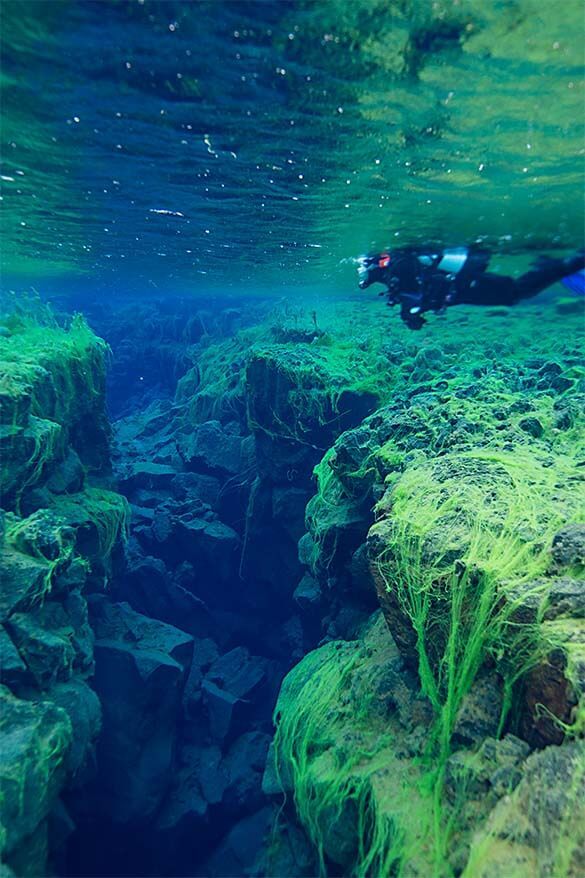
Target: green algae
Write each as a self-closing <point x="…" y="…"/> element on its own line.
<point x="42" y="364"/>
<point x="37" y="738"/>
<point x="51" y="380"/>
<point x="475" y="466"/>
<point x="294" y="372"/>
<point x="61" y="534"/>
<point x="358" y="782"/>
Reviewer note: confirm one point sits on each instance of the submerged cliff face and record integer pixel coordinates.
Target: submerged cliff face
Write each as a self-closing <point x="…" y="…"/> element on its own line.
<point x="61" y="531"/>
<point x="427" y="582"/>
<point x="459" y="505"/>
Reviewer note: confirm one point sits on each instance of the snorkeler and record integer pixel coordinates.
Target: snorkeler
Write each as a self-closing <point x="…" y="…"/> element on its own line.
<point x="428" y="279"/>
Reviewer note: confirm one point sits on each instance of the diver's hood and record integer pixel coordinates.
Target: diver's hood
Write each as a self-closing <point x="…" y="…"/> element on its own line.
<point x="366" y="264"/>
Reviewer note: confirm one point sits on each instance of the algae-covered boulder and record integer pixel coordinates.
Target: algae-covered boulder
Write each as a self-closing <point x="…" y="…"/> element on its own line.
<point x="36" y="740"/>
<point x="59" y="537"/>
<point x="51" y="399"/>
<point x="459" y="505"/>
<point x="300" y="398"/>
<point x="459" y="556"/>
<point x="349" y="719"/>
<point x="538" y="830"/>
<point x="469" y="520"/>
<point x="354" y="751"/>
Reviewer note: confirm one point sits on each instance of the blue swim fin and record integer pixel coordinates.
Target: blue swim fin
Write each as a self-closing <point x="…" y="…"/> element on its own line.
<point x="575" y="282"/>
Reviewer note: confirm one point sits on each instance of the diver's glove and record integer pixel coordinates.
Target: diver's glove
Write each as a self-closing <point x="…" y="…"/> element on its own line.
<point x="411" y="309"/>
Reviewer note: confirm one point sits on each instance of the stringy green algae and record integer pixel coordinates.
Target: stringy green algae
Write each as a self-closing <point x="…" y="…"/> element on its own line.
<point x="49" y="377"/>
<point x="475" y="494"/>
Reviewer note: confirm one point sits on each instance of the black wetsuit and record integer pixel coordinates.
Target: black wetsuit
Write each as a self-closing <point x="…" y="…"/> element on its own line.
<point x="433" y="279"/>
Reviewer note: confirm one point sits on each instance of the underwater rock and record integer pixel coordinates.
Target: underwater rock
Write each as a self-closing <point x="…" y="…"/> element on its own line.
<point x="493" y="770"/>
<point x="54" y="639"/>
<point x="68" y="477"/>
<point x="233" y="688"/>
<point x="141" y="668"/>
<point x="349" y="722"/>
<point x="288" y="509"/>
<point x="238" y="672"/>
<point x="14" y="670"/>
<point x="53" y="400"/>
<point x="568" y="548"/>
<point x="146" y="476"/>
<point x="62" y="536"/>
<point x="299" y="399"/>
<point x="307" y="594"/>
<point x="155" y="591"/>
<point x="480" y="711"/>
<point x="215" y="448"/>
<point x="237" y="853"/>
<point x="289" y="851"/>
<point x="36" y="741"/>
<point x="226" y="712"/>
<point x="554" y="683"/>
<point x="191" y="486"/>
<point x="205" y="652"/>
<point x="322" y="726"/>
<point x="260" y="558"/>
<point x="539" y="829"/>
<point x="178" y="536"/>
<point x="24" y="581"/>
<point x="244" y="766"/>
<point x="83" y="707"/>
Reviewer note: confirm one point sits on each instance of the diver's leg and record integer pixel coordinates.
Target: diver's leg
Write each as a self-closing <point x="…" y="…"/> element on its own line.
<point x="489" y="289"/>
<point x="498" y="289"/>
<point x="546" y="273"/>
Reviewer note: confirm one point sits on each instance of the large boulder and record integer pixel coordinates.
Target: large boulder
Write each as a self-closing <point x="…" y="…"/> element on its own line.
<point x="538" y="830"/>
<point x="36" y="742"/>
<point x="215" y="449"/>
<point x="140" y="672"/>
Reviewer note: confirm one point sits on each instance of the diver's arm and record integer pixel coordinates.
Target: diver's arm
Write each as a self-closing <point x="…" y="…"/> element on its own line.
<point x="411" y="310"/>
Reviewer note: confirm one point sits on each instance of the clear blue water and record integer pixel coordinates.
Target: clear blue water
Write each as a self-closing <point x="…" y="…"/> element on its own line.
<point x="181" y="146"/>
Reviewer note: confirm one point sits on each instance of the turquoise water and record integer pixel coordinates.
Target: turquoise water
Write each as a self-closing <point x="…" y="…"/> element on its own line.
<point x="189" y="146"/>
<point x="288" y="588"/>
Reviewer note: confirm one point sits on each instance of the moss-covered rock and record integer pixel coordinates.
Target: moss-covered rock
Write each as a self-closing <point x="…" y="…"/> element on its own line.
<point x="466" y="492"/>
<point x="36" y="739"/>
<point x="539" y="829"/>
<point x="51" y="397"/>
<point x="59" y="535"/>
<point x="353" y="752"/>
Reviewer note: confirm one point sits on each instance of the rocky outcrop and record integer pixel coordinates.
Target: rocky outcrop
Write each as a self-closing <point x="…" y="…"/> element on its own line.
<point x="61" y="535"/>
<point x="141" y="666"/>
<point x="538" y="828"/>
<point x="444" y="500"/>
<point x="457" y="515"/>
